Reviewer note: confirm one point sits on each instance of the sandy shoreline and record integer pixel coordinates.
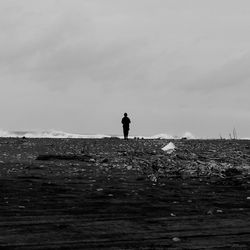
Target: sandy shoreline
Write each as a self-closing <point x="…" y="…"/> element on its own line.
<point x="115" y="194"/>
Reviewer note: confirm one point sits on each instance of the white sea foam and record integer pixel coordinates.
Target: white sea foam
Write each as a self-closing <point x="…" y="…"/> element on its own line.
<point x="188" y="135"/>
<point x="161" y="136"/>
<point x="47" y="134"/>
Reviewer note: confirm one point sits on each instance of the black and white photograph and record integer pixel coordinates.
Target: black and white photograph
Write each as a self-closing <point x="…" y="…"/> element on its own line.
<point x="124" y="124"/>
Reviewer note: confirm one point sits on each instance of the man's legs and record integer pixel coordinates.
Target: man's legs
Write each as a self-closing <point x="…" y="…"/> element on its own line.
<point x="125" y="133"/>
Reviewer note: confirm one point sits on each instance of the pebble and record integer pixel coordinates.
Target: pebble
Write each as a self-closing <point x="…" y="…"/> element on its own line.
<point x="210" y="212"/>
<point x="176" y="239"/>
<point x="219" y="211"/>
<point x="105" y="160"/>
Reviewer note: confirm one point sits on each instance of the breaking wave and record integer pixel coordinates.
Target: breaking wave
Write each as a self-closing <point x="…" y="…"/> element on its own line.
<point x="187" y="135"/>
<point x="161" y="136"/>
<point x="47" y="134"/>
<point x="61" y="134"/>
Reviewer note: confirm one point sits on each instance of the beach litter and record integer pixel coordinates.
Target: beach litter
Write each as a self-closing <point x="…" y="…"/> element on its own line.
<point x="169" y="148"/>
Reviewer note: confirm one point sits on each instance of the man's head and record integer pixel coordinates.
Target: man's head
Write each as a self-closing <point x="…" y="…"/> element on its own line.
<point x="125" y="114"/>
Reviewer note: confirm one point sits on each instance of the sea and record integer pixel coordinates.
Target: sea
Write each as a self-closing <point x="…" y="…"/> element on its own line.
<point x="61" y="134"/>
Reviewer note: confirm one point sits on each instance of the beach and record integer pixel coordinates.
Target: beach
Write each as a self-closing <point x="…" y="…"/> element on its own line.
<point x="124" y="194"/>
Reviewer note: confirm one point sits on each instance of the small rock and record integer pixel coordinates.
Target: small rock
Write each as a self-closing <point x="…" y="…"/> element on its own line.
<point x="176" y="239"/>
<point x="210" y="212"/>
<point x="129" y="167"/>
<point x="219" y="211"/>
<point x="153" y="178"/>
<point x="105" y="160"/>
<point x="99" y="189"/>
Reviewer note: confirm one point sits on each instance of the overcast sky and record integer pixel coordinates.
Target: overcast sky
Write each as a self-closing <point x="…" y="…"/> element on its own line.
<point x="172" y="65"/>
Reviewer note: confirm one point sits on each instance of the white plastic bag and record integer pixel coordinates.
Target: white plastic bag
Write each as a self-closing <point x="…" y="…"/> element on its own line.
<point x="169" y="148"/>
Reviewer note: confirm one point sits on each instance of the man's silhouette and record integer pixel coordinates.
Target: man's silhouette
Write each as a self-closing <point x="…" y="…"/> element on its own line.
<point x="125" y="124"/>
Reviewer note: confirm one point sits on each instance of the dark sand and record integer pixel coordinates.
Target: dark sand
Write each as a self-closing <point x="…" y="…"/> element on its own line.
<point x="115" y="194"/>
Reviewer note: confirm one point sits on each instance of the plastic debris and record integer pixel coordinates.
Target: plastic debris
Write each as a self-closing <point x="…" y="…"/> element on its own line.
<point x="169" y="148"/>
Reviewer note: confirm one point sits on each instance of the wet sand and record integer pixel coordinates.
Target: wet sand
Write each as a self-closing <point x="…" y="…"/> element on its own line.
<point x="116" y="194"/>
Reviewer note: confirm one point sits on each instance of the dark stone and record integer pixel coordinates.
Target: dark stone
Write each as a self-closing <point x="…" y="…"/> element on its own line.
<point x="105" y="160"/>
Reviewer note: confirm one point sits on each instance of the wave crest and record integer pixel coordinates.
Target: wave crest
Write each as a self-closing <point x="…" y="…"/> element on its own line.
<point x="47" y="134"/>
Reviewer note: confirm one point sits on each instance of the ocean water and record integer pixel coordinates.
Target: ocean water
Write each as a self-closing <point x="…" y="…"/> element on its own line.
<point x="62" y="134"/>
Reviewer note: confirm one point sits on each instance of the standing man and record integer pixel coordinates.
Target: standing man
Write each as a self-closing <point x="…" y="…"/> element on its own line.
<point x="125" y="124"/>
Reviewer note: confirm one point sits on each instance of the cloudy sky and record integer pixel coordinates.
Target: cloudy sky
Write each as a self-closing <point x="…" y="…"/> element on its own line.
<point x="172" y="65"/>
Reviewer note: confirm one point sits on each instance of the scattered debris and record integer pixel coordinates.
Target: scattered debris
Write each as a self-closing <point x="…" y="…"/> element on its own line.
<point x="152" y="159"/>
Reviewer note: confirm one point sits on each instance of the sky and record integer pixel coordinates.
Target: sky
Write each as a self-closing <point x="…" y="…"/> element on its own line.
<point x="172" y="65"/>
